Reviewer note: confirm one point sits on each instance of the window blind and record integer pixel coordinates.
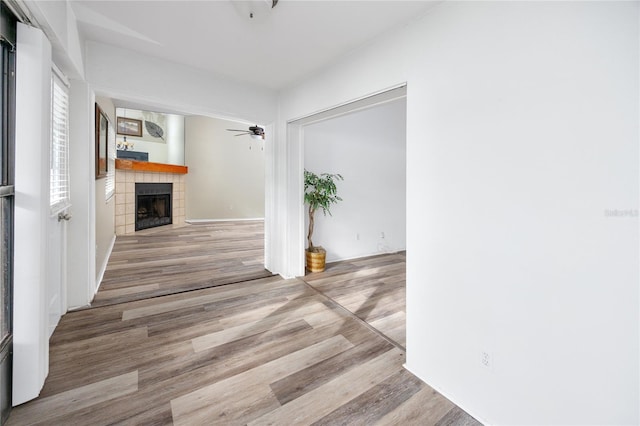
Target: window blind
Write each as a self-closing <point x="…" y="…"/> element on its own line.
<point x="59" y="158"/>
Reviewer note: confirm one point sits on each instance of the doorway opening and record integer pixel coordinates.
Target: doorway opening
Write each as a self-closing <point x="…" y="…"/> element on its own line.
<point x="211" y="218"/>
<point x="295" y="265"/>
<point x="365" y="237"/>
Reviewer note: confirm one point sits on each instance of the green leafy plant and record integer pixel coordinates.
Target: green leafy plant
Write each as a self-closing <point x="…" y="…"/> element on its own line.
<point x="319" y="193"/>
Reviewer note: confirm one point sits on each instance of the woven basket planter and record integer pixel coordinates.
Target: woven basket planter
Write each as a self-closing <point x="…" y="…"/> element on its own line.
<point x="316" y="260"/>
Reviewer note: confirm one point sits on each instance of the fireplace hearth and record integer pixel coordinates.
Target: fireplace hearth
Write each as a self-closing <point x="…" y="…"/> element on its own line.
<point x="153" y="205"/>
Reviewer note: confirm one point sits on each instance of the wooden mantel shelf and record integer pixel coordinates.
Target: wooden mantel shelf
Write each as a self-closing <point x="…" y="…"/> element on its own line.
<point x="145" y="166"/>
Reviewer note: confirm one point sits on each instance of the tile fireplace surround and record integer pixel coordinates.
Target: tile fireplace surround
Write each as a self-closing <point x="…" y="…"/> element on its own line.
<point x="126" y="196"/>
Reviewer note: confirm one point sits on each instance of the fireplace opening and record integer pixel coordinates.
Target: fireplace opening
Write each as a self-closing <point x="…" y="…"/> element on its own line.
<point x="153" y="205"/>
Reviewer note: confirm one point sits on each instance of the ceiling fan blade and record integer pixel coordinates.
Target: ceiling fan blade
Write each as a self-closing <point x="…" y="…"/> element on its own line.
<point x="242" y="134"/>
<point x="237" y="130"/>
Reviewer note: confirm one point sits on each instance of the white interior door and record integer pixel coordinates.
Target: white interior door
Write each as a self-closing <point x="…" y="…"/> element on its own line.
<point x="58" y="201"/>
<point x="57" y="270"/>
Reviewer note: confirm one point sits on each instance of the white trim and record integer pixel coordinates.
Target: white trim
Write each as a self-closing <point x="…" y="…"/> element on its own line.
<point x="269" y="197"/>
<point x="110" y="178"/>
<point x="59" y="208"/>
<point x="22" y="12"/>
<point x="382" y="96"/>
<point x="449" y="397"/>
<point x="103" y="268"/>
<point x="63" y="78"/>
<point x="362" y="256"/>
<point x="295" y="237"/>
<point x="244" y="219"/>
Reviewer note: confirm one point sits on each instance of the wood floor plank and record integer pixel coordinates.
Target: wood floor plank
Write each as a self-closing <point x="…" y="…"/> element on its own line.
<point x="319" y="402"/>
<point x="372" y="405"/>
<point x="231" y="408"/>
<point x="99" y="366"/>
<point x="457" y="417"/>
<point x="165" y="369"/>
<point x="296" y="384"/>
<point x="85" y="396"/>
<point x="293" y="302"/>
<point x="395" y="320"/>
<point x="221" y="293"/>
<point x="109" y="342"/>
<point x="206" y="403"/>
<point x="248" y="329"/>
<point x="119" y="292"/>
<point x="170" y="260"/>
<point x="372" y="288"/>
<point x="425" y="408"/>
<point x="159" y="385"/>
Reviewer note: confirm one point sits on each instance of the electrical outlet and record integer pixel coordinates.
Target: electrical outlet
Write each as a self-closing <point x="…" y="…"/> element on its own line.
<point x="485" y="359"/>
<point x="357" y="237"/>
<point x="382" y="235"/>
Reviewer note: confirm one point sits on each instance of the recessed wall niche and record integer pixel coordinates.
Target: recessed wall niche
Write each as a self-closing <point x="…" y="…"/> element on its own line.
<point x="161" y="140"/>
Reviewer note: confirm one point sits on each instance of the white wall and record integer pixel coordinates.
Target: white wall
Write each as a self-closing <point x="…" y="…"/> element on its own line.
<point x="81" y="259"/>
<point x="226" y="173"/>
<point x="368" y="148"/>
<point x="175" y="139"/>
<point x="167" y="86"/>
<point x="58" y="22"/>
<point x="167" y="150"/>
<point x="105" y="210"/>
<point x="522" y="138"/>
<point x="30" y="305"/>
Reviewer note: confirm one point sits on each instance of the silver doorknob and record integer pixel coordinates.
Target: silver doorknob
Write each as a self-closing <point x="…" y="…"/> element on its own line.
<point x="63" y="216"/>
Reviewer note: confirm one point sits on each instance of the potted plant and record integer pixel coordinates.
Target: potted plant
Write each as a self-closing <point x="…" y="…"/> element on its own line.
<point x="319" y="193"/>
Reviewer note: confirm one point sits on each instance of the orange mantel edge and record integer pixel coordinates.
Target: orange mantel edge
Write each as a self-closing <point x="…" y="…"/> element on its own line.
<point x="145" y="166"/>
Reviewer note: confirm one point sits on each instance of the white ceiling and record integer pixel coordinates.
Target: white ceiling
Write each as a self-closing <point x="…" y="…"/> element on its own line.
<point x="275" y="49"/>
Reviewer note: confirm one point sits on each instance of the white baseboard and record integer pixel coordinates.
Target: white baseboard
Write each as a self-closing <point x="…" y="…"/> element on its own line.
<point x="244" y="219"/>
<point x="103" y="267"/>
<point x="361" y="256"/>
<point x="449" y="397"/>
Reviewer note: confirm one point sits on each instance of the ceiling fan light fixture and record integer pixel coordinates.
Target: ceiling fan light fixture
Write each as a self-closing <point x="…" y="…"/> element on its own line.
<point x="254" y="9"/>
<point x="255" y="132"/>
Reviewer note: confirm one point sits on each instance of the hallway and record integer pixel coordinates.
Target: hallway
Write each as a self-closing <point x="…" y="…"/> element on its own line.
<point x="259" y="351"/>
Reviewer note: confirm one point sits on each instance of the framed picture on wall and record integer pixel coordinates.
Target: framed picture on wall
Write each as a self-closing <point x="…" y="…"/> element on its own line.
<point x="129" y="126"/>
<point x="102" y="143"/>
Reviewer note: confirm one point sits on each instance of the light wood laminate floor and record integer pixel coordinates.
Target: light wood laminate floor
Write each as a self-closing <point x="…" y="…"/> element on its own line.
<point x="258" y="352"/>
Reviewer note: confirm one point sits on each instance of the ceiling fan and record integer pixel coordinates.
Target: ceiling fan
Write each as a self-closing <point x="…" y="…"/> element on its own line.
<point x="254" y="131"/>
